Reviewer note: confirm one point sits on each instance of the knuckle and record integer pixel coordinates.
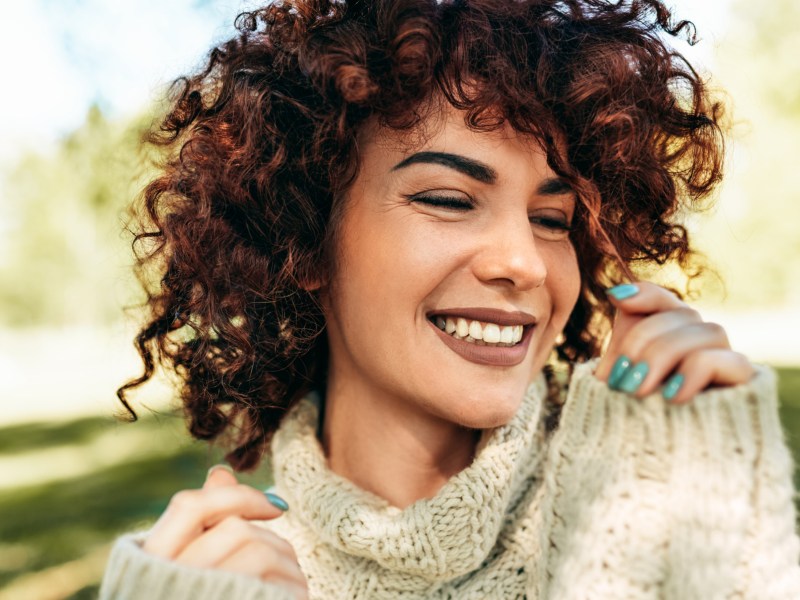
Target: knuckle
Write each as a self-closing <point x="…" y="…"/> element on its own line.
<point x="690" y="314"/>
<point x="268" y="556"/>
<point x="183" y="501"/>
<point x="285" y="548"/>
<point x="236" y="527"/>
<point x="701" y="361"/>
<point x="717" y="331"/>
<point x="741" y="361"/>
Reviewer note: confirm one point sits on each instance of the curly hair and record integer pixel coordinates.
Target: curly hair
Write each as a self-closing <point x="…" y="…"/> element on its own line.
<point x="260" y="146"/>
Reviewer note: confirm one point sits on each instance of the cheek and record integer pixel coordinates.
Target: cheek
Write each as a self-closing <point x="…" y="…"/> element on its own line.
<point x="564" y="280"/>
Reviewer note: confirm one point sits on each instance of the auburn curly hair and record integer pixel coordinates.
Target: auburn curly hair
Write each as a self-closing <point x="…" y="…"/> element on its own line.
<point x="261" y="145"/>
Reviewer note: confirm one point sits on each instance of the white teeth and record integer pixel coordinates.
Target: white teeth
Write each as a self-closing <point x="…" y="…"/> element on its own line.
<point x="462" y="328"/>
<point x="491" y="333"/>
<point x="450" y="326"/>
<point x="475" y="330"/>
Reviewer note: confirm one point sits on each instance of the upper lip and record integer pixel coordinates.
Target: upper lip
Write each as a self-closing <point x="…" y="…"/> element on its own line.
<point x="487" y="315"/>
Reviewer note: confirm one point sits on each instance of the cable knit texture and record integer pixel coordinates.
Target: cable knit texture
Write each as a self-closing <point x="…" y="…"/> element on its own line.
<point x="626" y="499"/>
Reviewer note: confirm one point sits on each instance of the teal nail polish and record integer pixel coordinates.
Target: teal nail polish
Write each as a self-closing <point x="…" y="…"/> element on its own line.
<point x="673" y="386"/>
<point x="618" y="371"/>
<point x="277" y="501"/>
<point x="633" y="378"/>
<point x="623" y="291"/>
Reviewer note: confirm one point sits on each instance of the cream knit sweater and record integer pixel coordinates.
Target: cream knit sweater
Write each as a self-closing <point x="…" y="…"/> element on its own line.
<point x="626" y="499"/>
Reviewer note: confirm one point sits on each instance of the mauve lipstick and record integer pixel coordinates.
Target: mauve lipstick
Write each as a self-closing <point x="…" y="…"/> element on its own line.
<point x="494" y="356"/>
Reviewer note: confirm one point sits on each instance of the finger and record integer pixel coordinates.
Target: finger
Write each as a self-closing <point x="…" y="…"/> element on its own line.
<point x="643" y="298"/>
<point x="664" y="352"/>
<point x="219" y="476"/>
<point x="265" y="561"/>
<point x="191" y="512"/>
<point x="217" y="543"/>
<point x="649" y="329"/>
<point x="706" y="368"/>
<point x="222" y="541"/>
<point x="635" y="303"/>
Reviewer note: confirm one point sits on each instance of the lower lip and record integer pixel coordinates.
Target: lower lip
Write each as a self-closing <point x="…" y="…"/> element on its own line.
<point x="494" y="356"/>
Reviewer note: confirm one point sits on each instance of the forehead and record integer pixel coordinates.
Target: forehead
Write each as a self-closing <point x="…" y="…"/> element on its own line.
<point x="445" y="128"/>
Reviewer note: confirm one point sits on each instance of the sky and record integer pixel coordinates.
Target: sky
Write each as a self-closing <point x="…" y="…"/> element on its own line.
<point x="120" y="54"/>
<point x="73" y="53"/>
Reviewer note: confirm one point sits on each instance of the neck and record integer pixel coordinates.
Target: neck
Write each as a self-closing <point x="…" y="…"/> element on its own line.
<point x="389" y="447"/>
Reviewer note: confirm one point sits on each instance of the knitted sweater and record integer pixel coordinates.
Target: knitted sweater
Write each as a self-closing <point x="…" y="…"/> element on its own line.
<point x="626" y="499"/>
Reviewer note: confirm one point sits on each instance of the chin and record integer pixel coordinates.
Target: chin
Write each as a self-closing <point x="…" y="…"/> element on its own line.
<point x="487" y="411"/>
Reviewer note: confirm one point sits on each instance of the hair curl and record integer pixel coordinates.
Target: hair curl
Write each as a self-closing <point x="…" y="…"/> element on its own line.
<point x="261" y="146"/>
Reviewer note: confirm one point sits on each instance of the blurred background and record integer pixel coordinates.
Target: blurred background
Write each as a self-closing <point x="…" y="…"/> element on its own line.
<point x="82" y="79"/>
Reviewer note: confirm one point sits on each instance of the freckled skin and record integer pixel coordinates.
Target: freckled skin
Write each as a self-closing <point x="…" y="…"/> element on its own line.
<point x="390" y="376"/>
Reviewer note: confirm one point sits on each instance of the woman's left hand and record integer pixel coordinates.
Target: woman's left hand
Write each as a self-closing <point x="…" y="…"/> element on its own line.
<point x="659" y="341"/>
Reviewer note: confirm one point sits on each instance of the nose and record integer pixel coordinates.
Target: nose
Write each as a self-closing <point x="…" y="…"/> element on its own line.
<point x="510" y="256"/>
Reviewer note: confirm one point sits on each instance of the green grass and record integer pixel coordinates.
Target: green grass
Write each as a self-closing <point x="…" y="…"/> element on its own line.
<point x="789" y="392"/>
<point x="61" y="520"/>
<point x="58" y="521"/>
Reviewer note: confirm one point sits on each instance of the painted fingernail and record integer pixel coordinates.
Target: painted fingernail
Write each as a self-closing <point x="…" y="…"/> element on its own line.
<point x="633" y="378"/>
<point x="672" y="387"/>
<point x="277" y="501"/>
<point x="618" y="371"/>
<point x="222" y="466"/>
<point x="623" y="291"/>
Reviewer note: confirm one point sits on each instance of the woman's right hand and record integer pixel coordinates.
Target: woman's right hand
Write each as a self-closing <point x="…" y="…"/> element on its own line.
<point x="210" y="528"/>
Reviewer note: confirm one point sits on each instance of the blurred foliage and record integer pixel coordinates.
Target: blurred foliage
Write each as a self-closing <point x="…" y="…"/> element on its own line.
<point x="752" y="235"/>
<point x="68" y="259"/>
<point x="61" y="520"/>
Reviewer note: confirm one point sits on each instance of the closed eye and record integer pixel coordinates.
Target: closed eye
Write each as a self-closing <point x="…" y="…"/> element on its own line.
<point x="551" y="225"/>
<point x="447" y="202"/>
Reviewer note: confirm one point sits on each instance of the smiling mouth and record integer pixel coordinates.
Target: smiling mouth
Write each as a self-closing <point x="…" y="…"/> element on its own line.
<point x="481" y="333"/>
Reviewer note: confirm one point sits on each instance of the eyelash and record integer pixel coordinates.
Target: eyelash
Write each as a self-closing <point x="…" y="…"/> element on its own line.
<point x="444" y="202"/>
<point x="463" y="205"/>
<point x="551" y="223"/>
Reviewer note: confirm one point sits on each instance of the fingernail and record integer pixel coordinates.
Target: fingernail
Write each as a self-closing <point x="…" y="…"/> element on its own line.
<point x="672" y="387"/>
<point x="277" y="501"/>
<point x="222" y="466"/>
<point x="623" y="291"/>
<point x="618" y="370"/>
<point x="633" y="378"/>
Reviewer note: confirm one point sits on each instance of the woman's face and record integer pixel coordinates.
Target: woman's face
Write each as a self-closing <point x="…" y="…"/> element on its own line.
<point x="455" y="273"/>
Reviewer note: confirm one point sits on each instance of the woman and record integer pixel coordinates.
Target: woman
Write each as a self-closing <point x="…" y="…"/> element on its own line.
<point x="378" y="221"/>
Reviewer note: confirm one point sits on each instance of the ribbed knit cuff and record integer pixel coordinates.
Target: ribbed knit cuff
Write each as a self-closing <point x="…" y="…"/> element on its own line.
<point x="737" y="420"/>
<point x="132" y="574"/>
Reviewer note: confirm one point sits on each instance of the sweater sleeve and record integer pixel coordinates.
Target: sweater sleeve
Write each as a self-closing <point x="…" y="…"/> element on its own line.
<point x="133" y="574"/>
<point x="711" y="481"/>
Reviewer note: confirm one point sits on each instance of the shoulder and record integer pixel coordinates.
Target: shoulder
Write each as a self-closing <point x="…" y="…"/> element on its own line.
<point x="726" y="442"/>
<point x="706" y="487"/>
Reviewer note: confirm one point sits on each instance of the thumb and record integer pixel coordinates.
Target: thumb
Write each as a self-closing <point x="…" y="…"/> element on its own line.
<point x="219" y="476"/>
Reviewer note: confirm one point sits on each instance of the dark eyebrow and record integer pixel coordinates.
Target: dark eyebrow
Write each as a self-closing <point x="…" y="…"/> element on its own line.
<point x="477" y="170"/>
<point x="554" y="186"/>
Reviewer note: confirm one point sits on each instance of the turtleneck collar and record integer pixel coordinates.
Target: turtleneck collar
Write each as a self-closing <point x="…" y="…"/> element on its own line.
<point x="437" y="538"/>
